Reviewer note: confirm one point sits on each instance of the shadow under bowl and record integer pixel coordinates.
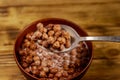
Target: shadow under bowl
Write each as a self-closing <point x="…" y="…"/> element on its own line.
<point x="32" y="27"/>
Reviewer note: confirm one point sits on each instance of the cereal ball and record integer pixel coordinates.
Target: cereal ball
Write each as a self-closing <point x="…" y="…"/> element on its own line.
<point x="40" y="27"/>
<point x="23" y="59"/>
<point x="32" y="53"/>
<point x="77" y="62"/>
<point x="55" y="78"/>
<point x="53" y="70"/>
<point x="49" y="57"/>
<point x="34" y="67"/>
<point x="72" y="65"/>
<point x="50" y="63"/>
<point x="79" y="56"/>
<point x="50" y="40"/>
<point x="37" y="34"/>
<point x="44" y="30"/>
<point x="35" y="58"/>
<point x="27" y="50"/>
<point x="40" y="67"/>
<point x="56" y="44"/>
<point x="26" y="44"/>
<point x="49" y="26"/>
<point x="26" y="40"/>
<point x="71" y="71"/>
<point x="73" y="52"/>
<point x="65" y="74"/>
<point x="50" y="75"/>
<point x="58" y="74"/>
<point x="33" y="46"/>
<point x="66" y="67"/>
<point x="66" y="35"/>
<point x="44" y="36"/>
<point x="29" y="59"/>
<point x="80" y="48"/>
<point x="73" y="58"/>
<point x="42" y="74"/>
<point x="39" y="41"/>
<point x="67" y="44"/>
<point x="44" y="63"/>
<point x="23" y="52"/>
<point x="28" y="36"/>
<point x="45" y="43"/>
<point x="37" y="62"/>
<point x="66" y="58"/>
<point x="61" y="40"/>
<point x="24" y="64"/>
<point x="36" y="72"/>
<point x="62" y="47"/>
<point x="51" y="33"/>
<point x="40" y="50"/>
<point x="55" y="38"/>
<point x="57" y="27"/>
<point x="58" y="33"/>
<point x="27" y="69"/>
<point x="46" y="69"/>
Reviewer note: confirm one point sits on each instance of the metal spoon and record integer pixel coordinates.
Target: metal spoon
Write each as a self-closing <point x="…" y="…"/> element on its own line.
<point x="76" y="38"/>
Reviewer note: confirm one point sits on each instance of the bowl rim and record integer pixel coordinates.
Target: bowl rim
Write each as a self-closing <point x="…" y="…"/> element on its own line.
<point x="47" y="19"/>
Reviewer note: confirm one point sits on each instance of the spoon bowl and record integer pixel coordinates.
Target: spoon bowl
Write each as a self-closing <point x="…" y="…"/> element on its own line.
<point x="75" y="38"/>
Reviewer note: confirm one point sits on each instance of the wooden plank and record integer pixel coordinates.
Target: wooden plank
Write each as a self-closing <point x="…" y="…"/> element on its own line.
<point x="105" y="70"/>
<point x="81" y="15"/>
<point x="12" y="73"/>
<point x="56" y="2"/>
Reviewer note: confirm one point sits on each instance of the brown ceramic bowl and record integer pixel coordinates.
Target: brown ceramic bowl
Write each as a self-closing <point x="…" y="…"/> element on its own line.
<point x="46" y="21"/>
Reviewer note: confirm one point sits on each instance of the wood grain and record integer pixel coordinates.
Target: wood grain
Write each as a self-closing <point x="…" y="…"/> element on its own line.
<point x="96" y="17"/>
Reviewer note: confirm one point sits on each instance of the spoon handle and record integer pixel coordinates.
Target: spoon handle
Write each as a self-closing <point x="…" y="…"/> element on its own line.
<point x="101" y="38"/>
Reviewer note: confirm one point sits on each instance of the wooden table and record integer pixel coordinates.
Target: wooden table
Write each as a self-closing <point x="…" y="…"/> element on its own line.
<point x="96" y="17"/>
